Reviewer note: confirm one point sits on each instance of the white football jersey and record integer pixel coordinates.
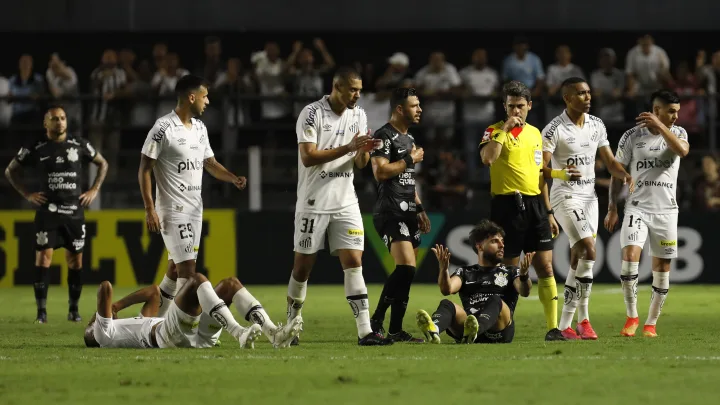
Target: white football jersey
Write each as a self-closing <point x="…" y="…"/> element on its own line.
<point x="654" y="168"/>
<point x="572" y="145"/>
<point x="180" y="155"/>
<point x="327" y="188"/>
<point x="132" y="333"/>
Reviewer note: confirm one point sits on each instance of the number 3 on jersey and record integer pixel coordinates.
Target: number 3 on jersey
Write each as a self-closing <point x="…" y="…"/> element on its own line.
<point x="305" y="223"/>
<point x="185" y="231"/>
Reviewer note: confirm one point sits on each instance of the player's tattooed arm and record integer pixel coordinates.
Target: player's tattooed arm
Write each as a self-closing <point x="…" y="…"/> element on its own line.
<point x="89" y="196"/>
<point x="11" y="173"/>
<point x="221" y="173"/>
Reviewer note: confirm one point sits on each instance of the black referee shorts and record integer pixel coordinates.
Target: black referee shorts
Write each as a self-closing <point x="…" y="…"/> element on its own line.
<point x="526" y="230"/>
<point x="53" y="231"/>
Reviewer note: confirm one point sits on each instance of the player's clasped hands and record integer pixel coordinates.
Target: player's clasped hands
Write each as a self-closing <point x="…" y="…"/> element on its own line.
<point x="37" y="198"/>
<point x="364" y="142"/>
<point x="443" y="256"/>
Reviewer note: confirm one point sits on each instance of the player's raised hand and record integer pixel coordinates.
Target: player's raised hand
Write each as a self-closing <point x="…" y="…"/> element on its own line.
<point x="649" y="120"/>
<point x="418" y="154"/>
<point x="240" y="182"/>
<point x="88" y="197"/>
<point x="526" y="262"/>
<point x="511" y="123"/>
<point x="611" y="220"/>
<point x="423" y="222"/>
<point x="360" y="142"/>
<point x="152" y="220"/>
<point x="443" y="256"/>
<point x="572" y="173"/>
<point x="36" y="198"/>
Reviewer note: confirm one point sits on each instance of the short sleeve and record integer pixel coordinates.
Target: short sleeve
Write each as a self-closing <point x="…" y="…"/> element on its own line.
<point x="549" y="137"/>
<point x="88" y="151"/>
<point x="206" y="142"/>
<point x="26" y="156"/>
<point x="603" y="136"/>
<point x="459" y="272"/>
<point x="513" y="273"/>
<point x="624" y="150"/>
<point x="363" y="123"/>
<point x="491" y="134"/>
<point x="308" y="123"/>
<point x="681" y="134"/>
<point x="384" y="151"/>
<point x="156" y="139"/>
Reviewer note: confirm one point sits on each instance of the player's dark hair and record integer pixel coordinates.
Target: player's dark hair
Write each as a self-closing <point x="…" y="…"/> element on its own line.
<point x="485" y="229"/>
<point x="400" y="95"/>
<point x="665" y="97"/>
<point x="515" y="88"/>
<point x="54" y="107"/>
<point x="188" y="84"/>
<point x="89" y="337"/>
<point x="571" y="82"/>
<point x="345" y="74"/>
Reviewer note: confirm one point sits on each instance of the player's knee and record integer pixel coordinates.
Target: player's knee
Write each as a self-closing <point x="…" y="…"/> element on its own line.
<point x="587" y="247"/>
<point x="43" y="258"/>
<point x="229" y="284"/>
<point x="543" y="268"/>
<point x="197" y="279"/>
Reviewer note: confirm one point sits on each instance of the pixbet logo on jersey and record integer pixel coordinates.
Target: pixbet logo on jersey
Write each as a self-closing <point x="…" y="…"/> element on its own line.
<point x="580" y="160"/>
<point x="654" y="163"/>
<point x="189" y="165"/>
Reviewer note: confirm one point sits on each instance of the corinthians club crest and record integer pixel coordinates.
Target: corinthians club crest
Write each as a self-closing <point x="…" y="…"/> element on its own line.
<point x="501" y="279"/>
<point x="72" y="154"/>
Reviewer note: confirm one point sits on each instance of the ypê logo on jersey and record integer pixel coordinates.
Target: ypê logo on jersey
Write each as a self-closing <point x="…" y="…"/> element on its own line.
<point x="654" y="164"/>
<point x="189" y="165"/>
<point x="580" y="160"/>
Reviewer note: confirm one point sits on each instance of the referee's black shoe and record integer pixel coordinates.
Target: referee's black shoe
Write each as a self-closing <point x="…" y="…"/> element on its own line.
<point x="374" y="339"/>
<point x="41" y="317"/>
<point x="554" y="335"/>
<point x="74" y="316"/>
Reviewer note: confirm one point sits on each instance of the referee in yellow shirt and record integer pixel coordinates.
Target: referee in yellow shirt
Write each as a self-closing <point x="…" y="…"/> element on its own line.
<point x="513" y="149"/>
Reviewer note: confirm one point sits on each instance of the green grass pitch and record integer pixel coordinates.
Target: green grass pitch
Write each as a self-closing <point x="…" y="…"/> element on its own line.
<point x="49" y="364"/>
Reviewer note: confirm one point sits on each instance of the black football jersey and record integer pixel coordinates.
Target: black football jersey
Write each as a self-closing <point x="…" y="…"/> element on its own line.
<point x="395" y="195"/>
<point x="480" y="283"/>
<point x="60" y="170"/>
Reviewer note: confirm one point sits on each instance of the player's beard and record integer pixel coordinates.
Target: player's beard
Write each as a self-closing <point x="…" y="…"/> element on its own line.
<point x="57" y="134"/>
<point x="492" y="258"/>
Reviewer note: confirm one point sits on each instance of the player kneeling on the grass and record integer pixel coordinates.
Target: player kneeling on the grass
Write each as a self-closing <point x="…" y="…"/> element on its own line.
<point x="178" y="328"/>
<point x="231" y="291"/>
<point x="488" y="291"/>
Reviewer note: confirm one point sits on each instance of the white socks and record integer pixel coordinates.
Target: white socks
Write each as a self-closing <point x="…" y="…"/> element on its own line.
<point x="629" y="280"/>
<point x="356" y="294"/>
<point x="660" y="286"/>
<point x="168" y="289"/>
<point x="571" y="301"/>
<point x="584" y="279"/>
<point x="214" y="306"/>
<point x="296" y="292"/>
<point x="250" y="308"/>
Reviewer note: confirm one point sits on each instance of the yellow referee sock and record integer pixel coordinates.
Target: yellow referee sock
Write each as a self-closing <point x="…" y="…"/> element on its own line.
<point x="547" y="292"/>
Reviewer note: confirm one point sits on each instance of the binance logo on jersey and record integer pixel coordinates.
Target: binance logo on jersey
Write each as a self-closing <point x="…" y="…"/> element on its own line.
<point x="324" y="174"/>
<point x="654" y="164"/>
<point x="189" y="165"/>
<point x="580" y="160"/>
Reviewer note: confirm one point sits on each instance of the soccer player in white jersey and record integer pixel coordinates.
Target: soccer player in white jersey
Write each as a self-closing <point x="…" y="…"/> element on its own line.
<point x="179" y="327"/>
<point x="176" y="150"/>
<point x="333" y="139"/>
<point x="652" y="150"/>
<point x="570" y="143"/>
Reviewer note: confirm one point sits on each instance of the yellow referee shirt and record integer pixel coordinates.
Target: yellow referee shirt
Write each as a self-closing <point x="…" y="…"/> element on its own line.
<point x="519" y="164"/>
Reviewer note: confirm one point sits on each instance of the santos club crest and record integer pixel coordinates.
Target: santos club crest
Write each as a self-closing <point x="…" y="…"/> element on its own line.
<point x="501" y="279"/>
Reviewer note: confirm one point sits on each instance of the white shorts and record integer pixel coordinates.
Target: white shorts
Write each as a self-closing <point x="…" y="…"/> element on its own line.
<point x="209" y="331"/>
<point x="344" y="231"/>
<point x="662" y="229"/>
<point x="579" y="219"/>
<point x="178" y="330"/>
<point x="182" y="238"/>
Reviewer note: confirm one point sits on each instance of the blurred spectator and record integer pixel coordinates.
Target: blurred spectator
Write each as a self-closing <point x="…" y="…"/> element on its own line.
<point x="231" y="83"/>
<point x="438" y="80"/>
<point x="213" y="64"/>
<point x="127" y="63"/>
<point x="397" y="74"/>
<point x="479" y="80"/>
<point x="707" y="188"/>
<point x="685" y="84"/>
<point x="26" y="83"/>
<point x="164" y="81"/>
<point x="607" y="84"/>
<point x="63" y="82"/>
<point x="524" y="66"/>
<point x="5" y="107"/>
<point x="602" y="182"/>
<point x="159" y="52"/>
<point x="142" y="112"/>
<point x="562" y="69"/>
<point x="108" y="82"/>
<point x="709" y="73"/>
<point x="447" y="178"/>
<point x="646" y="65"/>
<point x="306" y="78"/>
<point x="270" y="76"/>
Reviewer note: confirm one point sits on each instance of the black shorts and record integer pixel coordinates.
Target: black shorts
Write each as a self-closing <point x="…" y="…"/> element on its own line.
<point x="53" y="231"/>
<point x="394" y="228"/>
<point x="526" y="230"/>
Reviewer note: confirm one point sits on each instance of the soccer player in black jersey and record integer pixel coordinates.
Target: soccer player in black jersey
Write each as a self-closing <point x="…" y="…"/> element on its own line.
<point x="488" y="291"/>
<point x="60" y="219"/>
<point x="398" y="215"/>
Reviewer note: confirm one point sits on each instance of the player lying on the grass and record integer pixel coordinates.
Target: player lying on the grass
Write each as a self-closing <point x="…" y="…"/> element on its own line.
<point x="488" y="290"/>
<point x="232" y="292"/>
<point x="179" y="327"/>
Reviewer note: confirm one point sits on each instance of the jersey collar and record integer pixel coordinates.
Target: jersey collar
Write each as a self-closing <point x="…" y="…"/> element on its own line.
<point x="176" y="119"/>
<point x="568" y="122"/>
<point x="326" y="103"/>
